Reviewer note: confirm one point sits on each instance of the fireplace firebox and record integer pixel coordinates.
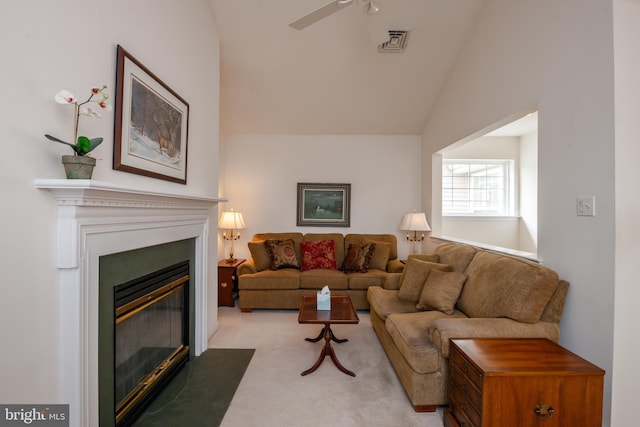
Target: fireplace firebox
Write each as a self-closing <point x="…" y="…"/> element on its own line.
<point x="151" y="341"/>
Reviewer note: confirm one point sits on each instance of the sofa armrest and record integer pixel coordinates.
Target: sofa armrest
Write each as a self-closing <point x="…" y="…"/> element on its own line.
<point x="247" y="267"/>
<point x="395" y="266"/>
<point x="441" y="330"/>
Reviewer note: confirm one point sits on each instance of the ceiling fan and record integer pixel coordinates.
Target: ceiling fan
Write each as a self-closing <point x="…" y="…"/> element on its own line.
<point x="322" y="12"/>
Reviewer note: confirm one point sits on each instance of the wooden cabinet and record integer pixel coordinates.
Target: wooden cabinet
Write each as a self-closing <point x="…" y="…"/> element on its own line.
<point x="227" y="281"/>
<point x="521" y="382"/>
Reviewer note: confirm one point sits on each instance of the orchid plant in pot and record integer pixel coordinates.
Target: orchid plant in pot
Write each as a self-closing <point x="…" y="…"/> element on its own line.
<point x="80" y="165"/>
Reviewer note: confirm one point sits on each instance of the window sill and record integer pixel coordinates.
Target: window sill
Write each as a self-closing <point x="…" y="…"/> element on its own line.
<point x="482" y="217"/>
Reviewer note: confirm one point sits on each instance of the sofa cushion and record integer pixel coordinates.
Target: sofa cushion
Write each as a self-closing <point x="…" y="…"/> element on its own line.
<point x="287" y="278"/>
<point x="295" y="236"/>
<point x="319" y="254"/>
<point x="380" y="256"/>
<point x="357" y="257"/>
<point x="414" y="276"/>
<point x="282" y="254"/>
<point x="503" y="286"/>
<point x="364" y="280"/>
<point x="318" y="278"/>
<point x="385" y="302"/>
<point x="387" y="238"/>
<point x="260" y="255"/>
<point x="441" y="291"/>
<point x="420" y="257"/>
<point x="338" y="243"/>
<point x="456" y="255"/>
<point x="409" y="334"/>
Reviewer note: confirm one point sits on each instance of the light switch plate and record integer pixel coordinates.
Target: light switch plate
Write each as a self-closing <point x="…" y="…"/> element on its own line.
<point x="586" y="206"/>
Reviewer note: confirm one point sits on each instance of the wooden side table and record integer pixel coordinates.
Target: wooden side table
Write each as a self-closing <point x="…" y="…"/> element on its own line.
<point x="227" y="279"/>
<point x="342" y="312"/>
<point x="526" y="382"/>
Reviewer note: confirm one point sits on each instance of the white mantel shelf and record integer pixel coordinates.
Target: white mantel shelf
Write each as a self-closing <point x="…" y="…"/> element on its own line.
<point x="87" y="192"/>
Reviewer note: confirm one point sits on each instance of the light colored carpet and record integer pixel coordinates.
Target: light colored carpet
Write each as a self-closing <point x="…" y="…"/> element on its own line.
<point x="273" y="393"/>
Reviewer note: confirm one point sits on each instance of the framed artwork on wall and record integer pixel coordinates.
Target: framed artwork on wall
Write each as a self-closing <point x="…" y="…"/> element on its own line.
<point x="324" y="205"/>
<point x="151" y="123"/>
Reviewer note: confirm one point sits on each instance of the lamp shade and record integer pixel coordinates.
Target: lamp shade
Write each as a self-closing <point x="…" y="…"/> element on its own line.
<point x="415" y="221"/>
<point x="231" y="220"/>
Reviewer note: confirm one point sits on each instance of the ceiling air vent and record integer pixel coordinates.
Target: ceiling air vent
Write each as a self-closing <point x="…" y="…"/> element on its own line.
<point x="396" y="43"/>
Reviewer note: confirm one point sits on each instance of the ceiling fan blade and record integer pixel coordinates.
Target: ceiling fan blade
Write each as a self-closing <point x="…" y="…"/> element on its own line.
<point x="320" y="13"/>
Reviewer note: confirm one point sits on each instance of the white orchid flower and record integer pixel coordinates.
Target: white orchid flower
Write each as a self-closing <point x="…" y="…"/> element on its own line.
<point x="88" y="111"/>
<point x="65" y="97"/>
<point x="105" y="105"/>
<point x="82" y="145"/>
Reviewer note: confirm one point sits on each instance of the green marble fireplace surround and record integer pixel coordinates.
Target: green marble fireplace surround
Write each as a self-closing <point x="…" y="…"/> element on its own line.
<point x="119" y="268"/>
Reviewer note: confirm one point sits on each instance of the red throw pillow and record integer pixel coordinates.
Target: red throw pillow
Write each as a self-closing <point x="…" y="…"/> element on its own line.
<point x="319" y="254"/>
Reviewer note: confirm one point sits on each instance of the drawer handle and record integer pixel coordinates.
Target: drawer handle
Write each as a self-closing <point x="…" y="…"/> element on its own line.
<point x="464" y="407"/>
<point x="465" y="368"/>
<point x="223" y="284"/>
<point x="544" y="411"/>
<point x="465" y="387"/>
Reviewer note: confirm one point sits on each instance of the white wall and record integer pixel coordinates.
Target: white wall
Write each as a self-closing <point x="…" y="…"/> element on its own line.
<point x="262" y="171"/>
<point x="71" y="44"/>
<point x="557" y="56"/>
<point x="626" y="372"/>
<point x="528" y="231"/>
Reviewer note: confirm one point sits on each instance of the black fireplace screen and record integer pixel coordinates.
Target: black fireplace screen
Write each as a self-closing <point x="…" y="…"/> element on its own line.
<point x="151" y="337"/>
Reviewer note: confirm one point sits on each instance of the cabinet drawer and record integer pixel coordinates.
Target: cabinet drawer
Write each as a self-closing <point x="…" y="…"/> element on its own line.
<point x="576" y="401"/>
<point x="461" y="381"/>
<point x="467" y="368"/>
<point x="449" y="420"/>
<point x="463" y="410"/>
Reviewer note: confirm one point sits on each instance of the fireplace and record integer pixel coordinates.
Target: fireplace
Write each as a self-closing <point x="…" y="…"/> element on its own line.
<point x="151" y="342"/>
<point x="95" y="221"/>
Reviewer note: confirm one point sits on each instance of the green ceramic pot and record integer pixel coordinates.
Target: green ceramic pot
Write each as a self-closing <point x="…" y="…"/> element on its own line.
<point x="78" y="167"/>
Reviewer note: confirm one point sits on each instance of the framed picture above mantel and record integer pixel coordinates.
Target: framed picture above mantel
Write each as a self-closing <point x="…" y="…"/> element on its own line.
<point x="324" y="205"/>
<point x="151" y="123"/>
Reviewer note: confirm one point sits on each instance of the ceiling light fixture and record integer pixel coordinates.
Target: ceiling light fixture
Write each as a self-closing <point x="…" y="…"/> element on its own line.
<point x="373" y="8"/>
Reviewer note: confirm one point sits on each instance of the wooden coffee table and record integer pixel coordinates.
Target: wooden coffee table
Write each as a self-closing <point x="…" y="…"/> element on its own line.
<point x="342" y="311"/>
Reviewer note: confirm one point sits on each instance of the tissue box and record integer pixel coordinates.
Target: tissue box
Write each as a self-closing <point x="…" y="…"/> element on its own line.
<point x="324" y="301"/>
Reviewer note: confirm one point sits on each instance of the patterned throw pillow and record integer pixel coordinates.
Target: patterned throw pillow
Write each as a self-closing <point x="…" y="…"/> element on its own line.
<point x="282" y="254"/>
<point x="357" y="258"/>
<point x="319" y="254"/>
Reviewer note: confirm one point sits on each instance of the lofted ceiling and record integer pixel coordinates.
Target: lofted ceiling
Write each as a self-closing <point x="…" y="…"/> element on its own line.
<point x="329" y="78"/>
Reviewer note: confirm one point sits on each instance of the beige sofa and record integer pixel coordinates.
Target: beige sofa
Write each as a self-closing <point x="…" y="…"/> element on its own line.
<point x="501" y="296"/>
<point x="261" y="287"/>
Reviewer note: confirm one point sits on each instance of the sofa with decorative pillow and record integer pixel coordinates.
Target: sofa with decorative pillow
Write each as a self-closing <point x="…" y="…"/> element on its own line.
<point x="460" y="291"/>
<point x="285" y="266"/>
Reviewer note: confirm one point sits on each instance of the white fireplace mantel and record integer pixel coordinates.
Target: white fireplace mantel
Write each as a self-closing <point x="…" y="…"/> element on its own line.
<point x="96" y="219"/>
<point x="87" y="192"/>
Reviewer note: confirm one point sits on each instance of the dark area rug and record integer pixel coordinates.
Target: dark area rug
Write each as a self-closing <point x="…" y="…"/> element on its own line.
<point x="201" y="392"/>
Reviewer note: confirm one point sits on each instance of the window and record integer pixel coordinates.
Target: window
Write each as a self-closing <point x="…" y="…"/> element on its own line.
<point x="477" y="187"/>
